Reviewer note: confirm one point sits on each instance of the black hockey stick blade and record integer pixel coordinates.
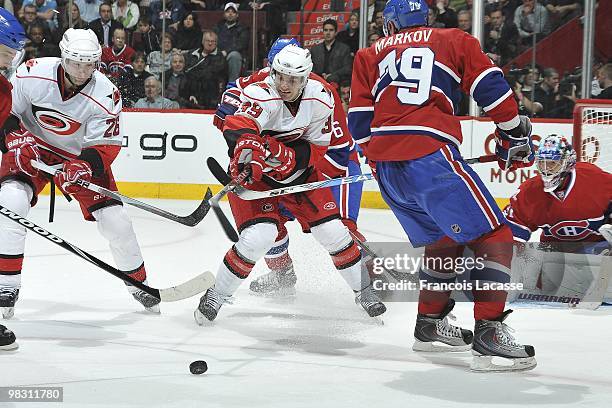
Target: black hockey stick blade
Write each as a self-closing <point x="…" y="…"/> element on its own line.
<point x="219" y="173"/>
<point x="190" y="220"/>
<point x="183" y="291"/>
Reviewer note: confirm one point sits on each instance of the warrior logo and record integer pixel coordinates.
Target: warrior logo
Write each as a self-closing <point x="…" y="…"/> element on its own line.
<point x="54" y="121"/>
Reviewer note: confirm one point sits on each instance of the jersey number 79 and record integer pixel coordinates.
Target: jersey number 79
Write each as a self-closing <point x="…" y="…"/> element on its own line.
<point x="412" y="76"/>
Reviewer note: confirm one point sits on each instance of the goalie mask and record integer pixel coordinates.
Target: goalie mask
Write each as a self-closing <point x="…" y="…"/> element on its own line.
<point x="556" y="158"/>
<point x="290" y="71"/>
<point x="81" y="54"/>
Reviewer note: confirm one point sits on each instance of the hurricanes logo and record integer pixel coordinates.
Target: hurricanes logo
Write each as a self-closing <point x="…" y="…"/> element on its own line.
<point x="329" y="205"/>
<point x="54" y="121"/>
<point x="267" y="207"/>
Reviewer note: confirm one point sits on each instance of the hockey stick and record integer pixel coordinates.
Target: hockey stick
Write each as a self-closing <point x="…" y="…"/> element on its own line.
<point x="365" y="248"/>
<point x="183" y="291"/>
<point x="190" y="220"/>
<point x="247" y="194"/>
<point x="596" y="292"/>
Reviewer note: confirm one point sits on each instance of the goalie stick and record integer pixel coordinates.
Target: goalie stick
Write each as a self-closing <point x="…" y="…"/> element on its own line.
<point x="247" y="194"/>
<point x="183" y="291"/>
<point x="190" y="220"/>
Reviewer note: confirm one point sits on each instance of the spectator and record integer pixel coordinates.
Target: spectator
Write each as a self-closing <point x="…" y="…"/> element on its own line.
<point x="562" y="11"/>
<point x="131" y="82"/>
<point x="77" y="20"/>
<point x="467" y="6"/>
<point x="127" y="13"/>
<point x="8" y="6"/>
<point x="345" y="95"/>
<point x="350" y="36"/>
<point x="464" y="21"/>
<point x="377" y="23"/>
<point x="233" y="40"/>
<point x="207" y="72"/>
<point x="372" y="37"/>
<point x="446" y="15"/>
<point x="39" y="45"/>
<point x="531" y="19"/>
<point x="153" y="99"/>
<point x="432" y="18"/>
<point x="546" y="94"/>
<point x="30" y="18"/>
<point x="105" y="26"/>
<point x="145" y="39"/>
<point x="159" y="61"/>
<point x="90" y="9"/>
<point x="45" y="10"/>
<point x="188" y="34"/>
<point x="175" y="80"/>
<point x="604" y="77"/>
<point x="116" y="60"/>
<point x="176" y="12"/>
<point x="332" y="59"/>
<point x="501" y="38"/>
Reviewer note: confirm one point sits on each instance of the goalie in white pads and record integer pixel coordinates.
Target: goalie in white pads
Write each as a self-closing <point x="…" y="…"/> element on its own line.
<point x="282" y="129"/>
<point x="65" y="112"/>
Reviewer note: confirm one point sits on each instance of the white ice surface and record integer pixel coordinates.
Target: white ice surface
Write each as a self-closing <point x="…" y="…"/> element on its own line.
<point x="78" y="328"/>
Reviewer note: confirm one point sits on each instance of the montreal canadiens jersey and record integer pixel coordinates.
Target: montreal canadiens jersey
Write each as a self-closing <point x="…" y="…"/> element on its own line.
<point x="406" y="88"/>
<point x="572" y="214"/>
<point x="341" y="149"/>
<point x="117" y="63"/>
<point x="89" y="118"/>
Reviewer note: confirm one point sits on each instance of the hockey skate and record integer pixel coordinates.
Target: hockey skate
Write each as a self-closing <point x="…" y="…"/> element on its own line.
<point x="8" y="297"/>
<point x="7" y="339"/>
<point x="150" y="303"/>
<point x="437" y="334"/>
<point x="275" y="283"/>
<point x="369" y="300"/>
<point x="493" y="343"/>
<point x="209" y="306"/>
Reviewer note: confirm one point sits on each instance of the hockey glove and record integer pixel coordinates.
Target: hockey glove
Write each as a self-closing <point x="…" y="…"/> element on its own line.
<point x="249" y="152"/>
<point x="230" y="102"/>
<point x="514" y="148"/>
<point x="73" y="171"/>
<point x="22" y="149"/>
<point x="281" y="159"/>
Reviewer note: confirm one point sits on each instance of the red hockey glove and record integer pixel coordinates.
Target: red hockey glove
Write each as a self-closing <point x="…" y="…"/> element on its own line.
<point x="73" y="171"/>
<point x="282" y="159"/>
<point x="249" y="152"/>
<point x="22" y="150"/>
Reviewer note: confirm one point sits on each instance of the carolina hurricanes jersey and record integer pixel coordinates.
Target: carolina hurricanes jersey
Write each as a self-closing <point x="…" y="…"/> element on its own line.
<point x="572" y="214"/>
<point x="89" y="118"/>
<point x="263" y="107"/>
<point x="405" y="90"/>
<point x="342" y="145"/>
<point x="116" y="63"/>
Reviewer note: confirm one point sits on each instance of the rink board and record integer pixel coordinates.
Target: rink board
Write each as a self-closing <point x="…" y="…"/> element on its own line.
<point x="164" y="155"/>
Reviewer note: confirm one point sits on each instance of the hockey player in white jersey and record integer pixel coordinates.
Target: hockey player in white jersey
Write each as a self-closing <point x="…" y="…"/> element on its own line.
<point x="65" y="112"/>
<point x="282" y="129"/>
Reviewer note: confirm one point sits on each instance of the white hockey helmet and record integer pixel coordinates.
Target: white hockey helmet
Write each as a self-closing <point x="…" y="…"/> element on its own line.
<point x="80" y="45"/>
<point x="292" y="61"/>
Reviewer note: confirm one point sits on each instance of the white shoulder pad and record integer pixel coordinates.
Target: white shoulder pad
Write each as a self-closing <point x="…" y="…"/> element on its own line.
<point x="105" y="93"/>
<point x="322" y="99"/>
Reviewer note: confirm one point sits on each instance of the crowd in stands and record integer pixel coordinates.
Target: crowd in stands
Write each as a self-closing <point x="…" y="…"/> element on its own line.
<point x="190" y="65"/>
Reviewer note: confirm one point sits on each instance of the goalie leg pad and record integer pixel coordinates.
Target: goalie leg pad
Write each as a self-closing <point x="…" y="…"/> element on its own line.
<point x="116" y="227"/>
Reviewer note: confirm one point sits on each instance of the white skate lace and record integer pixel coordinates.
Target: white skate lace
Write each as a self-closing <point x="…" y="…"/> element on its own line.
<point x="367" y="297"/>
<point x="503" y="334"/>
<point x="446" y="329"/>
<point x="7" y="291"/>
<point x="215" y="299"/>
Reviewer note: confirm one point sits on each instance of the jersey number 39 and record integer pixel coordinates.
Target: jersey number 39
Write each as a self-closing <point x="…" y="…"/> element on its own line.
<point x="412" y="76"/>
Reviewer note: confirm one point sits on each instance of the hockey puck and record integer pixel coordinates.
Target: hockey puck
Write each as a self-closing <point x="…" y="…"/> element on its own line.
<point x="198" y="367"/>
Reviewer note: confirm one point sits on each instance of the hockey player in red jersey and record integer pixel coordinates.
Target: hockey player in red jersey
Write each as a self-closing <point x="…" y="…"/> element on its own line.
<point x="65" y="112"/>
<point x="340" y="160"/>
<point x="568" y="201"/>
<point x="405" y="88"/>
<point x="12" y="41"/>
<point x="279" y="134"/>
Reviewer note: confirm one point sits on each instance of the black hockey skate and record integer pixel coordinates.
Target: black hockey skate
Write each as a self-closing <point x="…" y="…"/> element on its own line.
<point x="437" y="334"/>
<point x="150" y="303"/>
<point x="7" y="339"/>
<point x="275" y="283"/>
<point x="209" y="306"/>
<point x="8" y="297"/>
<point x="369" y="300"/>
<point x="492" y="339"/>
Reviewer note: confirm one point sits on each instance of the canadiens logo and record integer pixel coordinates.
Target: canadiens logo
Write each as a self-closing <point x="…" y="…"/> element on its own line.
<point x="54" y="121"/>
<point x="569" y="230"/>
